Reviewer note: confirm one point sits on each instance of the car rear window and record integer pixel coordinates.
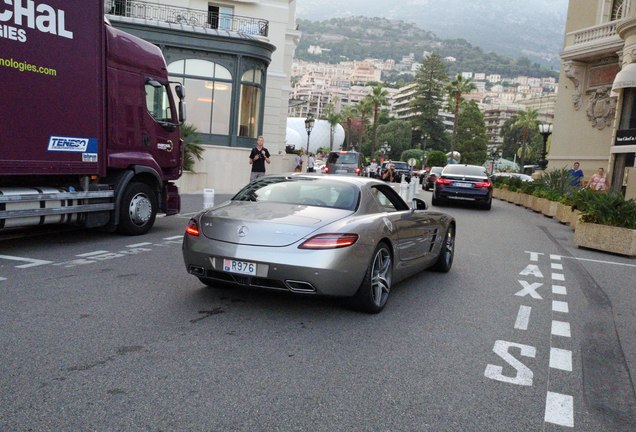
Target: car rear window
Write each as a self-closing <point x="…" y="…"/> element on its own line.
<point x="343" y="158"/>
<point x="476" y="171"/>
<point x="301" y="191"/>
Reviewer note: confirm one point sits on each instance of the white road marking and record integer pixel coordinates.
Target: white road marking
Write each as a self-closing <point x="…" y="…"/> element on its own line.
<point x="561" y="328"/>
<point x="560" y="306"/>
<point x="559" y="409"/>
<point x="558" y="276"/>
<point x="556" y="266"/>
<point x="531" y="269"/>
<point x="558" y="289"/>
<point x="600" y="261"/>
<point x="139" y="245"/>
<point x="529" y="289"/>
<point x="30" y="261"/>
<point x="534" y="256"/>
<point x="555" y="257"/>
<point x="524" y="374"/>
<point x="173" y="237"/>
<point x="523" y="318"/>
<point x="89" y="254"/>
<point x="561" y="359"/>
<point x="1" y="278"/>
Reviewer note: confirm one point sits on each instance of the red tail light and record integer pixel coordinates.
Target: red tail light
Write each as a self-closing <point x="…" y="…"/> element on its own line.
<point x="193" y="228"/>
<point x="486" y="184"/>
<point x="329" y="241"/>
<point x="357" y="170"/>
<point x="443" y="181"/>
<point x="326" y="169"/>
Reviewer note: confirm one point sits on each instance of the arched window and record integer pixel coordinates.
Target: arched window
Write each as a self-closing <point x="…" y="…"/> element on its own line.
<point x="209" y="93"/>
<point x="617" y="10"/>
<point x="249" y="114"/>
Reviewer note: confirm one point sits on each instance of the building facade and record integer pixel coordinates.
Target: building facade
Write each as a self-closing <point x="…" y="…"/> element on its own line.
<point x="234" y="58"/>
<point x="595" y="113"/>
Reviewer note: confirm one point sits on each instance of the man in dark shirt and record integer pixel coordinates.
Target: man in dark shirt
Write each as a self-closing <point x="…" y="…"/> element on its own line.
<point x="576" y="175"/>
<point x="258" y="157"/>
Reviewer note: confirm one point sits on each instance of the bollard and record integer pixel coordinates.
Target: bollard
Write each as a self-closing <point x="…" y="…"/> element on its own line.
<point x="404" y="186"/>
<point x="208" y="198"/>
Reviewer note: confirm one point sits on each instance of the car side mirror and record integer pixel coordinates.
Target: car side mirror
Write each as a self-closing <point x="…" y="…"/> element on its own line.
<point x="418" y="204"/>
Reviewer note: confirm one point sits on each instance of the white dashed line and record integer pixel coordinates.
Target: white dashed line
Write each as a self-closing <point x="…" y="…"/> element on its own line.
<point x="523" y="318"/>
<point x="560" y="306"/>
<point x="558" y="276"/>
<point x="555" y="257"/>
<point x="89" y="254"/>
<point x="173" y="237"/>
<point x="31" y="262"/>
<point x="561" y="359"/>
<point x="558" y="289"/>
<point x="2" y="279"/>
<point x="559" y="409"/>
<point x="561" y="328"/>
<point x="139" y="245"/>
<point x="556" y="266"/>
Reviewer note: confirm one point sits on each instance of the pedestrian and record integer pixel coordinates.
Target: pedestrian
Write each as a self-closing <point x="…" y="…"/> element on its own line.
<point x="258" y="157"/>
<point x="311" y="162"/>
<point x="298" y="162"/>
<point x="372" y="168"/>
<point x="389" y="174"/>
<point x="598" y="182"/>
<point x="576" y="175"/>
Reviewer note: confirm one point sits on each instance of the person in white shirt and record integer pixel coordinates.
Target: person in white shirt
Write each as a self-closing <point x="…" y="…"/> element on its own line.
<point x="311" y="162"/>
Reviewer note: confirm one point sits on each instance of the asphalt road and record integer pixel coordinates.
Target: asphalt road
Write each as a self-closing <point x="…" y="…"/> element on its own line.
<point x="109" y="333"/>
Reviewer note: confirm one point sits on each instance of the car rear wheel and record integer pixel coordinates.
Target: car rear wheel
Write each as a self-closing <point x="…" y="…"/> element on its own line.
<point x="488" y="204"/>
<point x="435" y="201"/>
<point x="376" y="286"/>
<point x="447" y="253"/>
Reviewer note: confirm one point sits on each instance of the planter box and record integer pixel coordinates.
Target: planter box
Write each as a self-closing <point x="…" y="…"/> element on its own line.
<point x="549" y="208"/>
<point x="575" y="216"/>
<point x="606" y="238"/>
<point x="536" y="204"/>
<point x="563" y="213"/>
<point x="498" y="193"/>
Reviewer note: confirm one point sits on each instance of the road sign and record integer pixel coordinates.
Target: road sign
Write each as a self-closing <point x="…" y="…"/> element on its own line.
<point x="411" y="162"/>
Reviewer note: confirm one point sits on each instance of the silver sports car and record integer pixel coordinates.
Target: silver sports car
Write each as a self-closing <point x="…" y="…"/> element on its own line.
<point x="336" y="236"/>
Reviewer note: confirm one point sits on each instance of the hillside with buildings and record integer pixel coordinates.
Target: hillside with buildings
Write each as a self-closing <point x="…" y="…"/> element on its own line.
<point x="529" y="28"/>
<point x="358" y="38"/>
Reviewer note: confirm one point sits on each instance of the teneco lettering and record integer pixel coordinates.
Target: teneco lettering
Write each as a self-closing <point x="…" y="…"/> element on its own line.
<point x="42" y="17"/>
<point x="68" y="144"/>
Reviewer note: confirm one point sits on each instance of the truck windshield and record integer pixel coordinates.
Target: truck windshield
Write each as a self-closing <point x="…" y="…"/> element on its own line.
<point x="158" y="103"/>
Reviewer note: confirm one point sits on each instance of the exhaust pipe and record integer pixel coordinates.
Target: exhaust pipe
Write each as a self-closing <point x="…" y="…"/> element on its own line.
<point x="300" y="286"/>
<point x="196" y="270"/>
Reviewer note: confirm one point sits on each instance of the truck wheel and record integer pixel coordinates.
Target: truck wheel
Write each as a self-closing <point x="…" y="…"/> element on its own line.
<point x="138" y="209"/>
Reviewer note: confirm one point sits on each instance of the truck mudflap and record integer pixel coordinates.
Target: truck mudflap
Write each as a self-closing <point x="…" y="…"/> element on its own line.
<point x="172" y="200"/>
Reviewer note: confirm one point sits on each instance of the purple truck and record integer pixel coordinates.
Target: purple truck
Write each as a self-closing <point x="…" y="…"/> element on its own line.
<point x="89" y="128"/>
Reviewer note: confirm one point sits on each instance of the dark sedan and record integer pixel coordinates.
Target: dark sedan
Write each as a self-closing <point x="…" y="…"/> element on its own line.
<point x="466" y="183"/>
<point x="432" y="175"/>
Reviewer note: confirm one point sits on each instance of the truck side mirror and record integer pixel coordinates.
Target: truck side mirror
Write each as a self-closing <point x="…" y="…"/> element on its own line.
<point x="182" y="111"/>
<point x="180" y="91"/>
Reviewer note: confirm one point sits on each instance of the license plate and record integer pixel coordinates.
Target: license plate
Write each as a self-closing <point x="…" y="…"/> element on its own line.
<point x="341" y="171"/>
<point x="240" y="267"/>
<point x="463" y="185"/>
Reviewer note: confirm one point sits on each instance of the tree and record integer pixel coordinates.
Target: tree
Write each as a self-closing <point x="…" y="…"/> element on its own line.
<point x="472" y="141"/>
<point x="429" y="86"/>
<point x="364" y="107"/>
<point x="526" y="120"/>
<point x="455" y="90"/>
<point x="377" y="98"/>
<point x="333" y="118"/>
<point x="398" y="134"/>
<point x="436" y="158"/>
<point x="348" y="113"/>
<point x="192" y="149"/>
<point x="417" y="154"/>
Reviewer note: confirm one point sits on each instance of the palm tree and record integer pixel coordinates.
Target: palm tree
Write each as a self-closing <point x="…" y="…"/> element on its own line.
<point x="364" y="107"/>
<point x="377" y="98"/>
<point x="455" y="90"/>
<point x="348" y="113"/>
<point x="334" y="119"/>
<point x="526" y="120"/>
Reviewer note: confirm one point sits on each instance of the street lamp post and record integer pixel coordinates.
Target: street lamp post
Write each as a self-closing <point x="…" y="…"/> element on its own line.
<point x="309" y="125"/>
<point x="385" y="148"/>
<point x="545" y="129"/>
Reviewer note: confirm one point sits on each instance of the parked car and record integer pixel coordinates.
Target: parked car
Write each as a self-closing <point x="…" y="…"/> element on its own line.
<point x="345" y="162"/>
<point x="466" y="183"/>
<point x="401" y="170"/>
<point x="337" y="236"/>
<point x="432" y="175"/>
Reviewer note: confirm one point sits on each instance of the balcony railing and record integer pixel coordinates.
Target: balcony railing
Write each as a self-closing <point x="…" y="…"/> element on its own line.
<point x="594" y="34"/>
<point x="193" y="17"/>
